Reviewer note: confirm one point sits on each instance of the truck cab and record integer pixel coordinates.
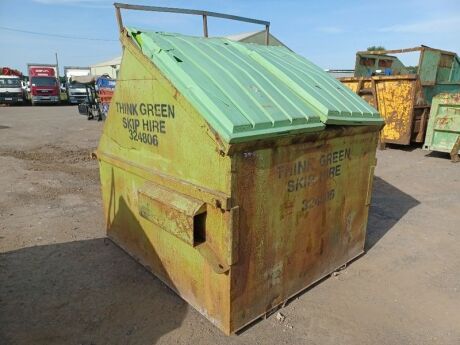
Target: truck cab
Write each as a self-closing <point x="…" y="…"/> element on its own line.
<point x="76" y="91"/>
<point x="10" y="90"/>
<point x="44" y="85"/>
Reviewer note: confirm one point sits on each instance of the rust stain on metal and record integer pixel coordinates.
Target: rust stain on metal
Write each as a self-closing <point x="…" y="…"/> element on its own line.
<point x="443" y="131"/>
<point x="443" y="121"/>
<point x="400" y="101"/>
<point x="310" y="184"/>
<point x="454" y="156"/>
<point x="234" y="229"/>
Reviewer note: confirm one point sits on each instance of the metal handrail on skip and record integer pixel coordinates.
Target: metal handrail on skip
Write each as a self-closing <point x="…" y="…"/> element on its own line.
<point x="204" y="14"/>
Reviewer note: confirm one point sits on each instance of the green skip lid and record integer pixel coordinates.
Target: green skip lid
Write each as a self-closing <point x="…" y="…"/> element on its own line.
<point x="249" y="91"/>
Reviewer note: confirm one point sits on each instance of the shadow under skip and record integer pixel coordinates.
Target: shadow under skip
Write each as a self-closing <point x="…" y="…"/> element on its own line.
<point x="91" y="292"/>
<point x="388" y="206"/>
<point x="84" y="292"/>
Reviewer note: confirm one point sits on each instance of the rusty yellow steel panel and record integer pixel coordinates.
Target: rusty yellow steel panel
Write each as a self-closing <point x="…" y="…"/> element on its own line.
<point x="364" y="87"/>
<point x="351" y="83"/>
<point x="234" y="229"/>
<point x="178" y="264"/>
<point x="401" y="103"/>
<point x="367" y="84"/>
<point x="395" y="98"/>
<point x="303" y="214"/>
<point x="173" y="212"/>
<point x="310" y="221"/>
<point x="151" y="121"/>
<point x="153" y="137"/>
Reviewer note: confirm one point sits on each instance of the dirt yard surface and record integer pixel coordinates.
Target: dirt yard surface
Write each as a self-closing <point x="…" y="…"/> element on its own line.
<point x="61" y="282"/>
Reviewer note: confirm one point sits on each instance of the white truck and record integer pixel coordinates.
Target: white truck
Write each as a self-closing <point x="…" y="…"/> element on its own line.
<point x="76" y="92"/>
<point x="11" y="90"/>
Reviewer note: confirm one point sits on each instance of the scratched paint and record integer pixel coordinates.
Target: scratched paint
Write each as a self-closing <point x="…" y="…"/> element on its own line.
<point x="303" y="213"/>
<point x="395" y="101"/>
<point x="399" y="100"/>
<point x="234" y="229"/>
<point x="444" y="124"/>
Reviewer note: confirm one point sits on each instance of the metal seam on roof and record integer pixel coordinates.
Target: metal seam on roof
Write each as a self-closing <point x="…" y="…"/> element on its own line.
<point x="260" y="87"/>
<point x="273" y="86"/>
<point x="234" y="103"/>
<point x="196" y="87"/>
<point x="292" y="85"/>
<point x="301" y="112"/>
<point x="285" y="117"/>
<point x="241" y="87"/>
<point x="236" y="81"/>
<point x="287" y="99"/>
<point x="249" y="52"/>
<point x="201" y="95"/>
<point x="283" y="61"/>
<point x="352" y="99"/>
<point x="317" y="76"/>
<point x="337" y="85"/>
<point x="250" y="91"/>
<point x="301" y="83"/>
<point x="311" y="77"/>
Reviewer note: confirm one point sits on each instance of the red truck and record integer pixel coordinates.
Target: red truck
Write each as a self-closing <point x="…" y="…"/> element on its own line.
<point x="43" y="83"/>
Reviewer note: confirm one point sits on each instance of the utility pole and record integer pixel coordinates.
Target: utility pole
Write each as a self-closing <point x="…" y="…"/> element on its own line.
<point x="57" y="67"/>
<point x="57" y="72"/>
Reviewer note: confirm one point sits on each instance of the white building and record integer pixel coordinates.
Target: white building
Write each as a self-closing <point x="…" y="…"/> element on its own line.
<point x="341" y="73"/>
<point x="256" y="37"/>
<point x="109" y="67"/>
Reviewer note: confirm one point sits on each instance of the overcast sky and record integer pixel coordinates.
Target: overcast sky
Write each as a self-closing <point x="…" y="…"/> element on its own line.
<point x="325" y="32"/>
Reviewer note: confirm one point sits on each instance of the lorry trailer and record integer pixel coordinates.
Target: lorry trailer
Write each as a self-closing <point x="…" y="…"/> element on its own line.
<point x="44" y="84"/>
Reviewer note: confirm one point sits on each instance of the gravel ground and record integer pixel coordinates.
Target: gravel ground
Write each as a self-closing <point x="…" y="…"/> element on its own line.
<point x="62" y="282"/>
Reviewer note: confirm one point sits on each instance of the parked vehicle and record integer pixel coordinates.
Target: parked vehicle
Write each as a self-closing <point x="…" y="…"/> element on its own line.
<point x="44" y="84"/>
<point x="105" y="86"/>
<point x="10" y="90"/>
<point x="91" y="106"/>
<point x="99" y="92"/>
<point x="10" y="71"/>
<point x="76" y="92"/>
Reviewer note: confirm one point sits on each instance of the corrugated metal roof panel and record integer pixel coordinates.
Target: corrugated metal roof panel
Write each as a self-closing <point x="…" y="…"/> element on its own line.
<point x="337" y="104"/>
<point x="245" y="91"/>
